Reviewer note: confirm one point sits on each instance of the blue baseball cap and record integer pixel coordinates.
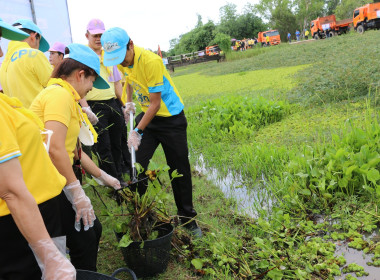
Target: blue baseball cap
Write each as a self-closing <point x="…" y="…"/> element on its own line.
<point x="88" y="57"/>
<point x="114" y="42"/>
<point x="12" y="33"/>
<point x="28" y="24"/>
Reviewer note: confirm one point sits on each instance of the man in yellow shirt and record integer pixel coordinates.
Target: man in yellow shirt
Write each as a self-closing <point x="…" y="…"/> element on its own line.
<point x="162" y="120"/>
<point x="103" y="107"/>
<point x="26" y="70"/>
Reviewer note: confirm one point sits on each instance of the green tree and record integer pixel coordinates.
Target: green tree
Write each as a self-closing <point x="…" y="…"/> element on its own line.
<point x="346" y="8"/>
<point x="280" y="15"/>
<point x="331" y="6"/>
<point x="228" y="17"/>
<point x="224" y="42"/>
<point x="307" y="10"/>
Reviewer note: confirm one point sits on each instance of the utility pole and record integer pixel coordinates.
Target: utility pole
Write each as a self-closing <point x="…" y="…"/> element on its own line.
<point x="33" y="11"/>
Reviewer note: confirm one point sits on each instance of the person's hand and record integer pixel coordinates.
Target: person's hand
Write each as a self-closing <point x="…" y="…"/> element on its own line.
<point x="91" y="116"/>
<point x="107" y="180"/>
<point x="128" y="107"/>
<point x="81" y="205"/>
<point x="53" y="264"/>
<point x="134" y="140"/>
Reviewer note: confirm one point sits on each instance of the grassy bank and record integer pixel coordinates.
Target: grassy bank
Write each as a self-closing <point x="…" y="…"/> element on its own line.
<point x="304" y="118"/>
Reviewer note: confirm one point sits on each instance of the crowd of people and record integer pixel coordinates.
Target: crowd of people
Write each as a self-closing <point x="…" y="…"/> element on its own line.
<point x="55" y="114"/>
<point x="244" y="44"/>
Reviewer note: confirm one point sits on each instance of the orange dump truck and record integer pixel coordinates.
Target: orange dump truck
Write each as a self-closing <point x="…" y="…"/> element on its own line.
<point x="212" y="50"/>
<point x="274" y="37"/>
<point x="328" y="25"/>
<point x="367" y="17"/>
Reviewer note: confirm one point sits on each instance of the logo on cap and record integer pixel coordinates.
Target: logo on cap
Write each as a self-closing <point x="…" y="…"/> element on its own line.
<point x="110" y="47"/>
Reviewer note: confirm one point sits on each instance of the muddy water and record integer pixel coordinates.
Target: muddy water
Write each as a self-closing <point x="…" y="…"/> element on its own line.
<point x="355" y="256"/>
<point x="250" y="200"/>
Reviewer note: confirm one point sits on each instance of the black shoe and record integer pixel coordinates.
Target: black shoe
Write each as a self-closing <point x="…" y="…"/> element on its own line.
<point x="194" y="229"/>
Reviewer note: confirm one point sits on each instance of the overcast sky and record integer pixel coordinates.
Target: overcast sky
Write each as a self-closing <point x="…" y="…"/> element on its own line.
<point x="149" y="23"/>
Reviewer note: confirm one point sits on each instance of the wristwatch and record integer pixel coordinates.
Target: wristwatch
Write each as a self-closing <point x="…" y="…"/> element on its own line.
<point x="139" y="131"/>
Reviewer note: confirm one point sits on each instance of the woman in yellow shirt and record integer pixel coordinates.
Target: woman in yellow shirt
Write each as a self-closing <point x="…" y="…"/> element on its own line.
<point x="29" y="195"/>
<point x="58" y="108"/>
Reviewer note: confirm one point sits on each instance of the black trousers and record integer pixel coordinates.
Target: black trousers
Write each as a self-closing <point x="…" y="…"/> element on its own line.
<point x="17" y="261"/>
<point x="83" y="245"/>
<point x="126" y="162"/>
<point x="109" y="128"/>
<point x="171" y="133"/>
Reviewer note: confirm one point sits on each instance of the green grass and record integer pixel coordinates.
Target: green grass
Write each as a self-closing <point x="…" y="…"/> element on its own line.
<point x="330" y="90"/>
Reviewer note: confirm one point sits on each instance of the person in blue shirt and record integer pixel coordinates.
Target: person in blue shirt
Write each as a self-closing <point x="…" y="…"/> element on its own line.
<point x="298" y="35"/>
<point x="289" y="37"/>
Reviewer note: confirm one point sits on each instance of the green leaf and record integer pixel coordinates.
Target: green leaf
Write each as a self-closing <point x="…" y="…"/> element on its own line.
<point x="275" y="274"/>
<point x="302" y="175"/>
<point x="373" y="175"/>
<point x="175" y="174"/>
<point x="125" y="241"/>
<point x="197" y="263"/>
<point x="305" y="192"/>
<point x="351" y="169"/>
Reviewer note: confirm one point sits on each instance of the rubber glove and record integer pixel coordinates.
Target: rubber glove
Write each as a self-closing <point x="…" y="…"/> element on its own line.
<point x="107" y="180"/>
<point x="127" y="108"/>
<point x="134" y="139"/>
<point x="81" y="205"/>
<point x="91" y="116"/>
<point x="53" y="264"/>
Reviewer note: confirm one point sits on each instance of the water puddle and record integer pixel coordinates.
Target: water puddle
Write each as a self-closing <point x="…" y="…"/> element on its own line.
<point x="249" y="200"/>
<point x="355" y="256"/>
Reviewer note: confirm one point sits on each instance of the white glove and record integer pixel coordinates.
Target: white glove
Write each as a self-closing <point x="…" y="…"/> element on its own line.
<point x="107" y="180"/>
<point x="134" y="140"/>
<point x="81" y="205"/>
<point x="91" y="116"/>
<point x="53" y="264"/>
<point x="127" y="108"/>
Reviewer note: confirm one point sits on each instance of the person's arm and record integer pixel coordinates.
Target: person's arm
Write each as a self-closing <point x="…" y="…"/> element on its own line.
<point x="89" y="165"/>
<point x="119" y="91"/>
<point x="20" y="202"/>
<point x="129" y="93"/>
<point x="42" y="69"/>
<point x="154" y="106"/>
<point x="25" y="213"/>
<point x="101" y="177"/>
<point x="87" y="109"/>
<point x="57" y="151"/>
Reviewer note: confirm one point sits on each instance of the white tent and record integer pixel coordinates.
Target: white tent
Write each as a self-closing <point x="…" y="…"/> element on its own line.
<point x="51" y="16"/>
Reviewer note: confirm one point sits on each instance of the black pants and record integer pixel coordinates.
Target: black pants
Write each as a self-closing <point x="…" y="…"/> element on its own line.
<point x="126" y="162"/>
<point x="109" y="128"/>
<point x="83" y="245"/>
<point x="17" y="261"/>
<point x="170" y="132"/>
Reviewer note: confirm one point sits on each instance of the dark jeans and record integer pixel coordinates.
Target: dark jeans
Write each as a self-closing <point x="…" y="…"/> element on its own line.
<point x="83" y="245"/>
<point x="17" y="261"/>
<point x="126" y="162"/>
<point x="170" y="132"/>
<point x="109" y="128"/>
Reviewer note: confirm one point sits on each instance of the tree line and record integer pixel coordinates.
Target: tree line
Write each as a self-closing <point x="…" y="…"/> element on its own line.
<point x="283" y="15"/>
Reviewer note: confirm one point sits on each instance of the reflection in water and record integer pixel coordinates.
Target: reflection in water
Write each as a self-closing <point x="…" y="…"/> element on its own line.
<point x="250" y="200"/>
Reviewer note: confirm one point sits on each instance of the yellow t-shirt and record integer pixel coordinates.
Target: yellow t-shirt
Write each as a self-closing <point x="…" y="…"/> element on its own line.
<point x="102" y="94"/>
<point x="57" y="104"/>
<point x="20" y="137"/>
<point x="149" y="75"/>
<point x="24" y="72"/>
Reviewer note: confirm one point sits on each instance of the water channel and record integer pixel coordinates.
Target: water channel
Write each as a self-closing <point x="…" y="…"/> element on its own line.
<point x="250" y="201"/>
